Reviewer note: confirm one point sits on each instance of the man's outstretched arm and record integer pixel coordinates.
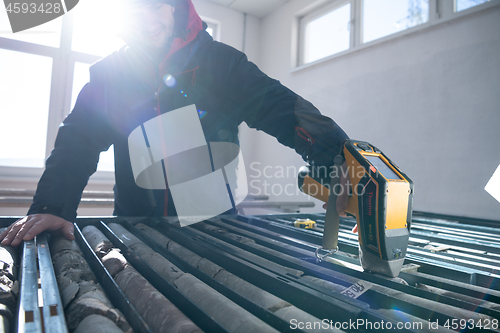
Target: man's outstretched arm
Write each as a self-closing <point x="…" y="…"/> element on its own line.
<point x="29" y="226"/>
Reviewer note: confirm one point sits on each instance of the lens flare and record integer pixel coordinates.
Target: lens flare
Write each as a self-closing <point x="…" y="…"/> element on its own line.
<point x="202" y="114"/>
<point x="169" y="80"/>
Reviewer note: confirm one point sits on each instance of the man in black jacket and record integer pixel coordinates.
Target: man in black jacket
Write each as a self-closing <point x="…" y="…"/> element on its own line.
<point x="170" y="62"/>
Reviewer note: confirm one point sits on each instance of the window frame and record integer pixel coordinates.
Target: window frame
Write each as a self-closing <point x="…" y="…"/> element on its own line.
<point x="439" y="12"/>
<point x="317" y="13"/>
<point x="63" y="64"/>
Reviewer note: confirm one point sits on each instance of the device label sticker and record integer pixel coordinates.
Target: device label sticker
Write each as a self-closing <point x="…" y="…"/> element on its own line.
<point x="369" y="214"/>
<point x="357" y="289"/>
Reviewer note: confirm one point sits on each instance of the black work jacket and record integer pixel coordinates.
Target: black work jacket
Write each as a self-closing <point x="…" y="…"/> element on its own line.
<point x="123" y="93"/>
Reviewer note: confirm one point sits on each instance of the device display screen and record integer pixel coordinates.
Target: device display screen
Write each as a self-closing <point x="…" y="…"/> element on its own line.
<point x="382" y="167"/>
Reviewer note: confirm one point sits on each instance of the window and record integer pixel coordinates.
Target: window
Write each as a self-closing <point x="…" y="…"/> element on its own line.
<point x="29" y="125"/>
<point x="385" y="17"/>
<point x="344" y="26"/>
<point x="23" y="121"/>
<point x="466" y="4"/>
<point x="326" y="33"/>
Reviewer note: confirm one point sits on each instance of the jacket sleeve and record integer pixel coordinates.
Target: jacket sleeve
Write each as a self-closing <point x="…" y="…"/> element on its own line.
<point x="267" y="105"/>
<point x="80" y="139"/>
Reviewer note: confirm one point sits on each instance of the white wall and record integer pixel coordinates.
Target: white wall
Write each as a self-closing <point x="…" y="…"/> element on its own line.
<point x="232" y="27"/>
<point x="430" y="100"/>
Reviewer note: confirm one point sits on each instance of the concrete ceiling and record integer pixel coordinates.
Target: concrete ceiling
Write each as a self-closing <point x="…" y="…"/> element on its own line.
<point x="258" y="8"/>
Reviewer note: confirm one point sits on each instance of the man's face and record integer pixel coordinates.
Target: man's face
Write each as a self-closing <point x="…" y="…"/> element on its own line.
<point x="153" y="25"/>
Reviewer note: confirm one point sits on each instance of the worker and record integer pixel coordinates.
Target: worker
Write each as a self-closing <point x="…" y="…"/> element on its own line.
<point x="166" y="40"/>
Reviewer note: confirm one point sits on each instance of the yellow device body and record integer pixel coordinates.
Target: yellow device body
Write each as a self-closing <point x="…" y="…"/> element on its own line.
<point x="381" y="200"/>
<point x="304" y="223"/>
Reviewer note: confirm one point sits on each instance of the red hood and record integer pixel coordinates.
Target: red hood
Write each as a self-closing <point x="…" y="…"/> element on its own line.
<point x="193" y="26"/>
